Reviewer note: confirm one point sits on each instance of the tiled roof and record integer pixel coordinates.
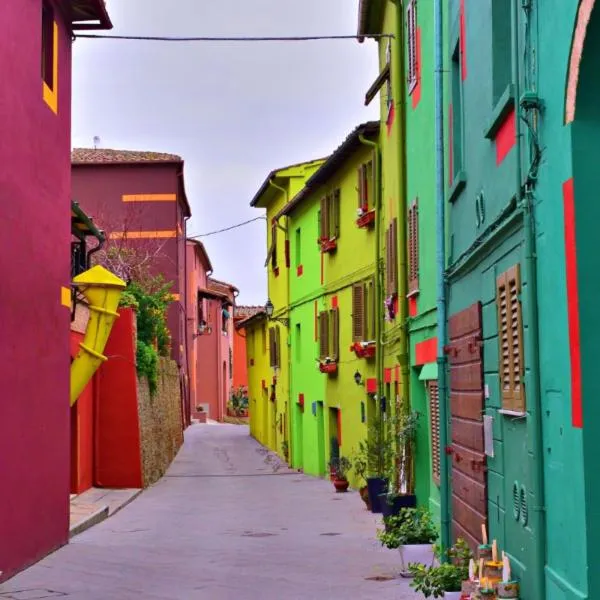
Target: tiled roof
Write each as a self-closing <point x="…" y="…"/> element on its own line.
<point x="106" y="155"/>
<point x="220" y="286"/>
<point x="243" y="312"/>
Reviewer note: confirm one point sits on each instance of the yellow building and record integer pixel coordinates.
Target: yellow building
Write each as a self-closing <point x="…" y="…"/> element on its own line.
<point x="270" y="423"/>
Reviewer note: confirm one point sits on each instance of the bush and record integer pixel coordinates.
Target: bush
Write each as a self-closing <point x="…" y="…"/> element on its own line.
<point x="147" y="364"/>
<point x="411" y="526"/>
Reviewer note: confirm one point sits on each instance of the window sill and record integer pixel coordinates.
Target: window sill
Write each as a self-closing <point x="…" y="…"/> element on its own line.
<point x="364" y="349"/>
<point x="328" y="246"/>
<point x="460" y="181"/>
<point x="328" y="368"/>
<point x="366" y="220"/>
<point x="502" y="108"/>
<point x="413" y="293"/>
<point x="512" y="413"/>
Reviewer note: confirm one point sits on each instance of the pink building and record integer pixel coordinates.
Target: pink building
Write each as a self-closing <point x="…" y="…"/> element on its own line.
<point x="35" y="298"/>
<point x="210" y="335"/>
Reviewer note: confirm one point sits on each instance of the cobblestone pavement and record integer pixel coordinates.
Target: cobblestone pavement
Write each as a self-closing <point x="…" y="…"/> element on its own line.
<point x="229" y="521"/>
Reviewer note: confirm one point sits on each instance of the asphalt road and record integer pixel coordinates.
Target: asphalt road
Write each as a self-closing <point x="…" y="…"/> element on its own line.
<point x="227" y="522"/>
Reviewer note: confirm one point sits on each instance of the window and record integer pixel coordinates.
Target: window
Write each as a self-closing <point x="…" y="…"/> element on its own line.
<point x="298" y="247"/>
<point x="202" y="316"/>
<point x="411" y="38"/>
<point x="413" y="248"/>
<point x="391" y="260"/>
<point x="224" y="318"/>
<point x="274" y="347"/>
<point x="298" y="342"/>
<point x="49" y="57"/>
<point x="501" y="48"/>
<point x="274" y="245"/>
<point x="329" y="334"/>
<point x="363" y="312"/>
<point x="329" y="224"/>
<point x="263" y="336"/>
<point x="434" y="416"/>
<point x="365" y="186"/>
<point x="456" y="115"/>
<point x="510" y="337"/>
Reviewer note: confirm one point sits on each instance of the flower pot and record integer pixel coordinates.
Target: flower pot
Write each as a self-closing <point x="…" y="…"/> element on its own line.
<point x="376" y="486"/>
<point x="415" y="553"/>
<point x="393" y="506"/>
<point x="364" y="494"/>
<point x="341" y="485"/>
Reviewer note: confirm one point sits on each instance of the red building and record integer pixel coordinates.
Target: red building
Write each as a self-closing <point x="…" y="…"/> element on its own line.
<point x="210" y="335"/>
<point x="35" y="233"/>
<point x="139" y="200"/>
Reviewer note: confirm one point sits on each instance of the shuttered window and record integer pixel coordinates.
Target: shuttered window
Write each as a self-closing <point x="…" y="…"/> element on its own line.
<point x="274" y="245"/>
<point x="274" y="347"/>
<point x="434" y="416"/>
<point x="510" y="337"/>
<point x="413" y="247"/>
<point x="363" y="312"/>
<point x="334" y="327"/>
<point x="329" y="216"/>
<point x="411" y="38"/>
<point x="391" y="263"/>
<point x="323" y="335"/>
<point x="365" y="185"/>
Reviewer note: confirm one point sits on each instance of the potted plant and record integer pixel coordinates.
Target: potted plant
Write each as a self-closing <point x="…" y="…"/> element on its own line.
<point x="378" y="453"/>
<point x="340" y="467"/>
<point x="401" y="492"/>
<point x="360" y="470"/>
<point x="413" y="533"/>
<point x="334" y="454"/>
<point x="444" y="580"/>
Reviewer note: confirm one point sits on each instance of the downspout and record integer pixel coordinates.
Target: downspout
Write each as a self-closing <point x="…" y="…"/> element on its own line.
<point x="288" y="436"/>
<point x="188" y="390"/>
<point x="378" y="298"/>
<point x="440" y="279"/>
<point x="535" y="425"/>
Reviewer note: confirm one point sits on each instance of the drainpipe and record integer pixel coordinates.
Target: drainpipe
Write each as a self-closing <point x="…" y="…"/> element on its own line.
<point x="440" y="267"/>
<point x="532" y="357"/>
<point x="378" y="297"/>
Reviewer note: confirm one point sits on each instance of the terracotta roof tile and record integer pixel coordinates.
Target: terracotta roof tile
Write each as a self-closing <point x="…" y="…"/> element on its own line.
<point x="243" y="312"/>
<point x="220" y="286"/>
<point x="106" y="155"/>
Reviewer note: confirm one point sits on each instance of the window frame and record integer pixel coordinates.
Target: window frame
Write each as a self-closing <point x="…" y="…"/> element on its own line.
<point x="412" y="70"/>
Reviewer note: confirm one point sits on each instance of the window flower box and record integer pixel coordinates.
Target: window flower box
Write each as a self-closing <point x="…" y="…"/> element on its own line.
<point x="328" y="366"/>
<point x="365" y="218"/>
<point x="328" y="246"/>
<point x="363" y="349"/>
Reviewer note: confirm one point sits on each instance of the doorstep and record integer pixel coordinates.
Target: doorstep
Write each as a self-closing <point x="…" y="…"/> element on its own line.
<point x="96" y="504"/>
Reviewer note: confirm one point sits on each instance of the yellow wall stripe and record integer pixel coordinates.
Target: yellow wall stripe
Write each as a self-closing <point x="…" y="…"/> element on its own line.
<point x="149" y="197"/>
<point x="51" y="95"/>
<point x="65" y="296"/>
<point x="142" y="235"/>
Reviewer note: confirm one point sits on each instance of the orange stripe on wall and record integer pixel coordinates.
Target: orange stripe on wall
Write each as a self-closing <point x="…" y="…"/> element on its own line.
<point x="149" y="197"/>
<point x="140" y="235"/>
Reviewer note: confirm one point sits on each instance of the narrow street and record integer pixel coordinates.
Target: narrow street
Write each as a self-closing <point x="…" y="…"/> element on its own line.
<point x="227" y="521"/>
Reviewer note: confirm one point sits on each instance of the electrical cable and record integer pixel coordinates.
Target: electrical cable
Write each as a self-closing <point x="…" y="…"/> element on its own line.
<point x="199" y="235"/>
<point x="300" y="38"/>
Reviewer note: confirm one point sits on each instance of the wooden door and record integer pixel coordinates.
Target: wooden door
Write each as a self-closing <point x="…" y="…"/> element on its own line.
<point x="469" y="479"/>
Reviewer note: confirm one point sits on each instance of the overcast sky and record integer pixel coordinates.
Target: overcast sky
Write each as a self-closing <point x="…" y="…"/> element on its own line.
<point x="233" y="111"/>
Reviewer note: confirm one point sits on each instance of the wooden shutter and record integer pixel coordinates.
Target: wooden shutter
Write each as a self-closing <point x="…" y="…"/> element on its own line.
<point x="434" y="416"/>
<point x="334" y="319"/>
<point x="335" y="214"/>
<point x="510" y="338"/>
<point x="413" y="248"/>
<point x="323" y="335"/>
<point x="274" y="245"/>
<point x="361" y="187"/>
<point x="394" y="256"/>
<point x="277" y="347"/>
<point x="370" y="312"/>
<point x="370" y="183"/>
<point x="271" y="347"/>
<point x="324" y="222"/>
<point x="358" y="312"/>
<point x="411" y="37"/>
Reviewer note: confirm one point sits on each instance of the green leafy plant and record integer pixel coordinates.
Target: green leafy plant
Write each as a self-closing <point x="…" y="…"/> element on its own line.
<point x="285" y="449"/>
<point x="447" y="577"/>
<point x="407" y="424"/>
<point x="128" y="300"/>
<point x="340" y="467"/>
<point x="238" y="400"/>
<point x="410" y="526"/>
<point x="146" y="360"/>
<point x="378" y="450"/>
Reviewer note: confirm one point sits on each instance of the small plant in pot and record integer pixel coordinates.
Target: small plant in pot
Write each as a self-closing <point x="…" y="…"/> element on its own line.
<point x="444" y="580"/>
<point x="413" y="532"/>
<point x="340" y="467"/>
<point x="360" y="470"/>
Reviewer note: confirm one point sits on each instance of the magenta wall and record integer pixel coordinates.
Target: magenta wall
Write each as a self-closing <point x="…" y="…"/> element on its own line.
<point x="99" y="190"/>
<point x="35" y="262"/>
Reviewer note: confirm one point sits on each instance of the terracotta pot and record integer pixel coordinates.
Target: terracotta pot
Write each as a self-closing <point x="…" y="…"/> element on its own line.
<point x="415" y="553"/>
<point x="364" y="494"/>
<point x="341" y="485"/>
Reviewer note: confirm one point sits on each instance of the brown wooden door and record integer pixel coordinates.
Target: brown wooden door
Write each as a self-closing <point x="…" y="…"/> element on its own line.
<point x="469" y="480"/>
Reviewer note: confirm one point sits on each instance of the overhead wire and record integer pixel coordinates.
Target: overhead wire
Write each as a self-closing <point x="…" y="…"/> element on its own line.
<point x="294" y="38"/>
<point x="236" y="226"/>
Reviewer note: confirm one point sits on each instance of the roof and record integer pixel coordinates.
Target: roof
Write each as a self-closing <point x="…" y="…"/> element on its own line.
<point x="370" y="17"/>
<point x="221" y="286"/>
<point x="89" y="14"/>
<point x="277" y="173"/>
<point x="204" y="254"/>
<point x="245" y="312"/>
<point x="107" y="155"/>
<point x="252" y="319"/>
<point x="350" y="145"/>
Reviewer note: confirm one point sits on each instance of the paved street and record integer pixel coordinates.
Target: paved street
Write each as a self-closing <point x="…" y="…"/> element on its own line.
<point x="227" y="522"/>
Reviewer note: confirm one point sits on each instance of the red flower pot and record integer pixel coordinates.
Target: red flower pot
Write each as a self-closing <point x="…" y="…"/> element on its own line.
<point x="341" y="485"/>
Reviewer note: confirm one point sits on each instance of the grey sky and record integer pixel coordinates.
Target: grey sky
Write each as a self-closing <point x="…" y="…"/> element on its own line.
<point x="234" y="111"/>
